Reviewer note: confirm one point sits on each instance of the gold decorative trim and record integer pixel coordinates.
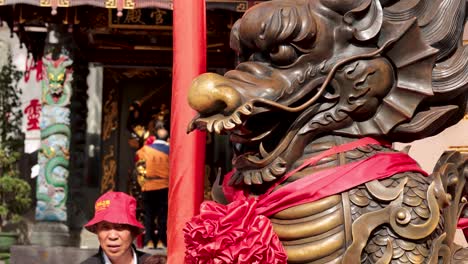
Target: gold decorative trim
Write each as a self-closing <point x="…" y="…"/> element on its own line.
<point x="462" y="149"/>
<point x="110" y="4"/>
<point x="242" y="7"/>
<point x="110" y="124"/>
<point x="109" y="167"/>
<point x="110" y="115"/>
<point x="129" y="4"/>
<point x="63" y="3"/>
<point x="465" y="117"/>
<point x="45" y="3"/>
<point x="156" y="27"/>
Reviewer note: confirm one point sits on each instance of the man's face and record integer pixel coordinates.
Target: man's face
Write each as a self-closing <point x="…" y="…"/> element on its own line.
<point x="115" y="239"/>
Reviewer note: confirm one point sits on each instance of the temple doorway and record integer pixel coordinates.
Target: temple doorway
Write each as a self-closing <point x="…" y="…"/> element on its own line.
<point x="121" y="87"/>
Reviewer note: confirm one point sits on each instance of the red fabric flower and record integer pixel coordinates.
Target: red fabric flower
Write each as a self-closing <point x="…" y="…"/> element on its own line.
<point x="233" y="233"/>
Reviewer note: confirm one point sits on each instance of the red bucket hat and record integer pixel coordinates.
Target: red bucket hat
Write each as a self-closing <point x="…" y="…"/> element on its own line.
<point x="115" y="207"/>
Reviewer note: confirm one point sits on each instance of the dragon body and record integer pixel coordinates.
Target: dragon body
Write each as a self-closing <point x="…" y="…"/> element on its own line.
<point x="317" y="74"/>
<point x="52" y="187"/>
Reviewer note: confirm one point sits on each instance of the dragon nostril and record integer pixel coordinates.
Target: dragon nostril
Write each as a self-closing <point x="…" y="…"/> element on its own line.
<point x="211" y="93"/>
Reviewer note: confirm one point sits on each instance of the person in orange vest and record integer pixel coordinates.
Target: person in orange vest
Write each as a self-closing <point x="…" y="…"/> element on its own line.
<point x="152" y="167"/>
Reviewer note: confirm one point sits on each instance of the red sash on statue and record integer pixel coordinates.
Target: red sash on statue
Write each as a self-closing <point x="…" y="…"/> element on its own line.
<point x="241" y="232"/>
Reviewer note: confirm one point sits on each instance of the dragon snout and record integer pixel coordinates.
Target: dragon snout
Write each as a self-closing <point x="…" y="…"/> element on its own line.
<point x="212" y="93"/>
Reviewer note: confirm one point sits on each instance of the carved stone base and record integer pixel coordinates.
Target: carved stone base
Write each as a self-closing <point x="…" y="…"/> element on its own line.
<point x="50" y="234"/>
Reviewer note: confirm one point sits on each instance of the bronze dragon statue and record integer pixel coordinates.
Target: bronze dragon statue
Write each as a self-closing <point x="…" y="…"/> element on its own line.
<point x="317" y="74"/>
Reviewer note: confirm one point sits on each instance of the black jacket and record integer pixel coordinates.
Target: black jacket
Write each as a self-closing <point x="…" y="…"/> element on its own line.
<point x="99" y="257"/>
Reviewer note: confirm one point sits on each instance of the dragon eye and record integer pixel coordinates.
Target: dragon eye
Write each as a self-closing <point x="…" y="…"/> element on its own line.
<point x="60" y="77"/>
<point x="283" y="55"/>
<point x="51" y="76"/>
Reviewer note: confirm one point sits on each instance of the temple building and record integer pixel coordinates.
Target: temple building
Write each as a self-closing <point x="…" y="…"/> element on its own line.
<point x="95" y="70"/>
<point x="110" y="55"/>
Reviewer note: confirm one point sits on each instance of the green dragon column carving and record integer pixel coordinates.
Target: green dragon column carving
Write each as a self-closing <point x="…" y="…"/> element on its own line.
<point x="53" y="159"/>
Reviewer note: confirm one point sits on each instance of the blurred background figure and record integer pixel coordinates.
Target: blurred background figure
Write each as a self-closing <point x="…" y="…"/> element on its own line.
<point x="152" y="172"/>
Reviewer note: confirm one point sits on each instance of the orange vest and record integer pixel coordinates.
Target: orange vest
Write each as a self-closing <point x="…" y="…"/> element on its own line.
<point x="157" y="168"/>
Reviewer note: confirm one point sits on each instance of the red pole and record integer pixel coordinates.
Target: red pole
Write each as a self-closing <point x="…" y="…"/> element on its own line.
<point x="187" y="154"/>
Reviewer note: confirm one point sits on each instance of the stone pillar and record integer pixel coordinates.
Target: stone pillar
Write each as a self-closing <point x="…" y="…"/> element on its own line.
<point x="78" y="199"/>
<point x="54" y="155"/>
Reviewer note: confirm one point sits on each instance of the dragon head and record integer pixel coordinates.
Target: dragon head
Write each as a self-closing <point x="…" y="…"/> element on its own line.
<point x="312" y="68"/>
<point x="57" y="77"/>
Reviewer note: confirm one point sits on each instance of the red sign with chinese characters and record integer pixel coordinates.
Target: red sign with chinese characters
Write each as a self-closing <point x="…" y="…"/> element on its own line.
<point x="33" y="112"/>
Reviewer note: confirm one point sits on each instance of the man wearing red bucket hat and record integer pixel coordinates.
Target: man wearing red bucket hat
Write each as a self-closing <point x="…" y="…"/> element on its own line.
<point x="116" y="227"/>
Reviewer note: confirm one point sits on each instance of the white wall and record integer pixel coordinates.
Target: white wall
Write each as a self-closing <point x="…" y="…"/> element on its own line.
<point x="19" y="54"/>
<point x="9" y="43"/>
<point x="427" y="151"/>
